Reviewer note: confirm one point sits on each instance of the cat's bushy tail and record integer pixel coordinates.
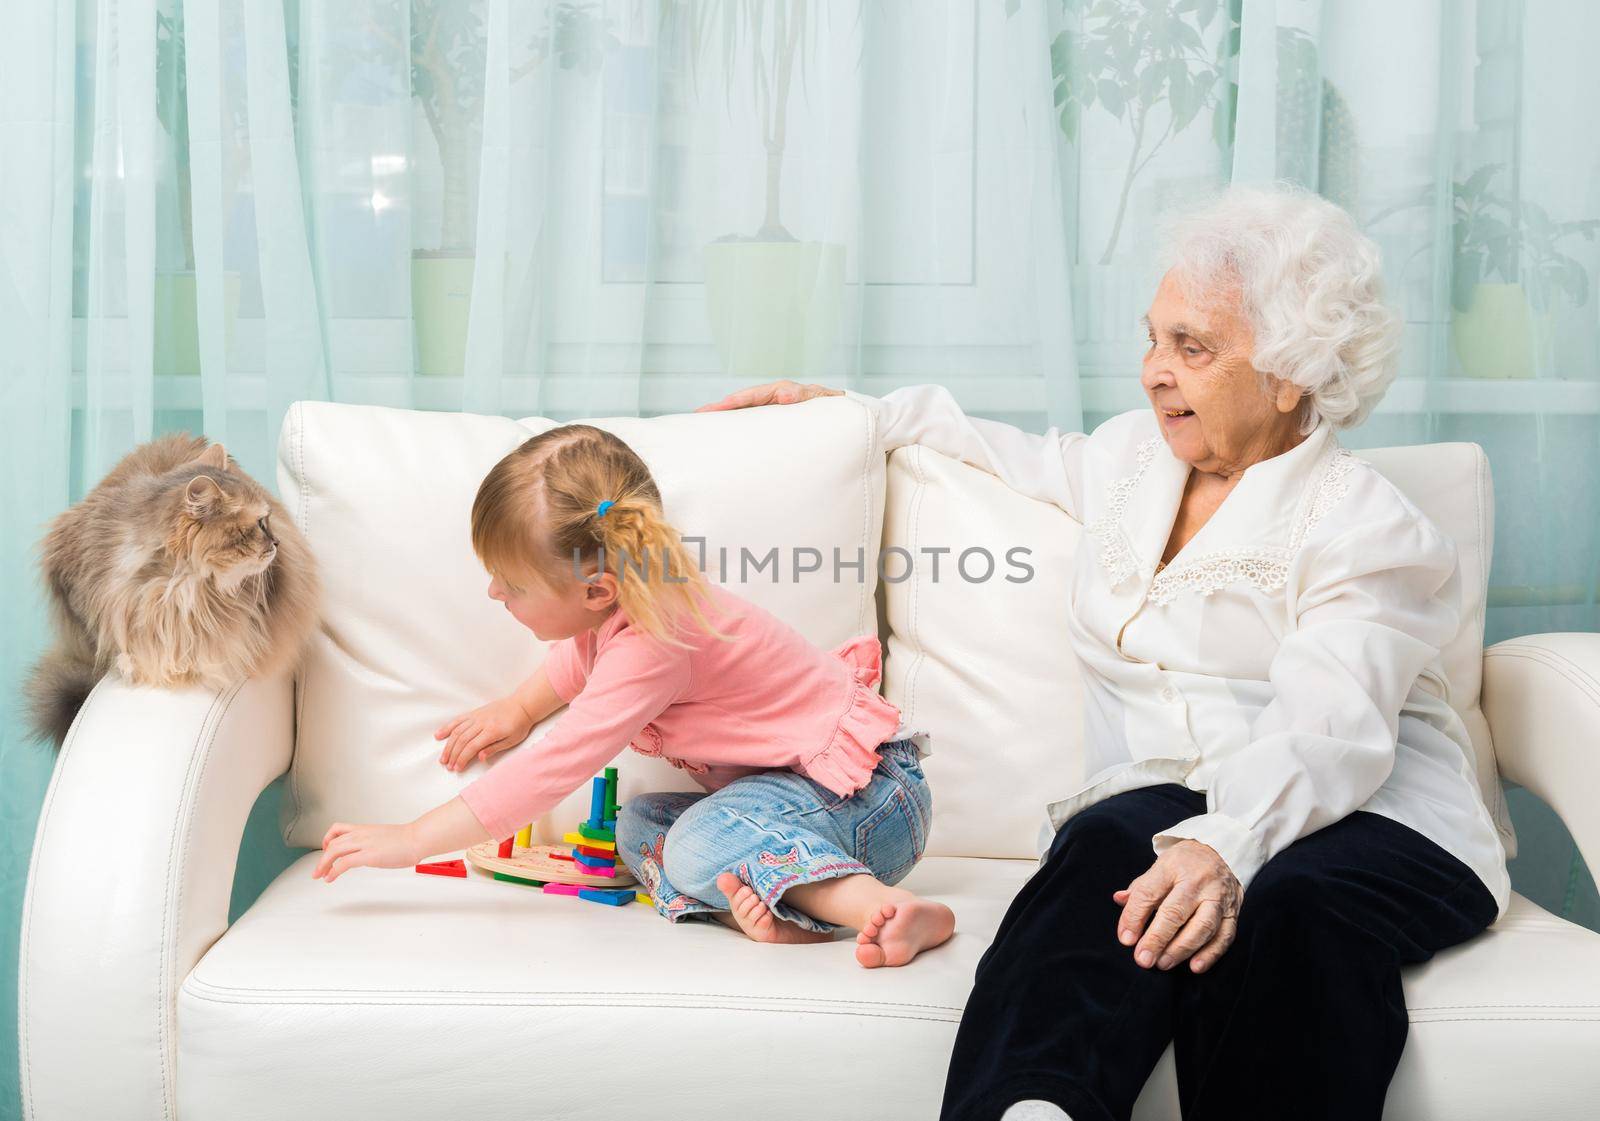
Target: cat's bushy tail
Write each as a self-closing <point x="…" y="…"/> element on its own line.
<point x="57" y="687"/>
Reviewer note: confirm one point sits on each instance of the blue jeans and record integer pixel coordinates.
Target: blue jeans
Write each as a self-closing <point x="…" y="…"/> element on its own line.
<point x="774" y="830"/>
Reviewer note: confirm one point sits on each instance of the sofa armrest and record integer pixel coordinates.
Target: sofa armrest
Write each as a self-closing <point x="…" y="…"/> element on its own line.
<point x="1541" y="696"/>
<point x="129" y="885"/>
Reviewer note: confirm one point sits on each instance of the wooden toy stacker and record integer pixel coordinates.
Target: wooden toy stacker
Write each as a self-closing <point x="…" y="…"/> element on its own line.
<point x="585" y="865"/>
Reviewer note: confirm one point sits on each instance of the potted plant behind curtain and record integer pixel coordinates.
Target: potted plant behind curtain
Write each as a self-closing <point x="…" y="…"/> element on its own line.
<point x="772" y="300"/>
<point x="1501" y="327"/>
<point x="1147" y="66"/>
<point x="447" y="52"/>
<point x="1506" y="270"/>
<point x="177" y="334"/>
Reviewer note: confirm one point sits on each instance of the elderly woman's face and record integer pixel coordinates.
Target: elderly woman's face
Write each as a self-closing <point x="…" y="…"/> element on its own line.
<point x="1199" y="364"/>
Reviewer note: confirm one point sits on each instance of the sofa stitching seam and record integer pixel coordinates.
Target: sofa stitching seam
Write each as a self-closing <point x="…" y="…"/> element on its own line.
<point x="702" y="1007"/>
<point x="301" y="676"/>
<point x="196" y="983"/>
<point x="1561" y="664"/>
<point x="202" y="757"/>
<point x="1517" y="1004"/>
<point x="1510" y="1020"/>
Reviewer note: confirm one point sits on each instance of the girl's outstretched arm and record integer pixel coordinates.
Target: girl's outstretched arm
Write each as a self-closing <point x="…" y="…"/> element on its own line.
<point x="633" y="680"/>
<point x="446" y="828"/>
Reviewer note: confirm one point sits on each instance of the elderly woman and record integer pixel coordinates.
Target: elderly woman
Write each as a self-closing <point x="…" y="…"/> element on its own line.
<point x="1259" y="614"/>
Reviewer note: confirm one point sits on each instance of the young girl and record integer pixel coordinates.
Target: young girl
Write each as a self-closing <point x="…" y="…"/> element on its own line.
<point x="815" y="809"/>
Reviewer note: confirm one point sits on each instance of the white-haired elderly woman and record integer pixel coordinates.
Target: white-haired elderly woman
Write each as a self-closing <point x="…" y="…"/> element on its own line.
<point x="1282" y="809"/>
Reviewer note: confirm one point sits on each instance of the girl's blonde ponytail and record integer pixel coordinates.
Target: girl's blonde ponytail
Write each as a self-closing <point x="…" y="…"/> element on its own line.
<point x="657" y="579"/>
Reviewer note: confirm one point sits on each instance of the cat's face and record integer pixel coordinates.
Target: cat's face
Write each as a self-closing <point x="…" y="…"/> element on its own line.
<point x="228" y="527"/>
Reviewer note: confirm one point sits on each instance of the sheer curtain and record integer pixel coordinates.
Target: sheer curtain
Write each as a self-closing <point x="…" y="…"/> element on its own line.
<point x="212" y="208"/>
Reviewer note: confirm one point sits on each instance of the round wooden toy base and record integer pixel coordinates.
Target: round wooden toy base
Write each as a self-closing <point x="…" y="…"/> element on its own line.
<point x="536" y="863"/>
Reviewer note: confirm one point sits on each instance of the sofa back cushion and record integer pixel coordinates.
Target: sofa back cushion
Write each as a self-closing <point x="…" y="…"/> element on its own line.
<point x="978" y="661"/>
<point x="985" y="667"/>
<point x="410" y="636"/>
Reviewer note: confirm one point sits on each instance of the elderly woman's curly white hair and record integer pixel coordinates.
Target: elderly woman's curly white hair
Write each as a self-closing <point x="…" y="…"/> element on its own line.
<point x="1311" y="288"/>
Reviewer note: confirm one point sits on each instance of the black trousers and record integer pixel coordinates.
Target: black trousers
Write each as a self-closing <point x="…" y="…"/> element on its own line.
<point x="1302" y="1017"/>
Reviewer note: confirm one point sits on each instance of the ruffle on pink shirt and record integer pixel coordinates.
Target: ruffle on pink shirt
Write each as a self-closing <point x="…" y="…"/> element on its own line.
<point x="649" y="742"/>
<point x="846" y="763"/>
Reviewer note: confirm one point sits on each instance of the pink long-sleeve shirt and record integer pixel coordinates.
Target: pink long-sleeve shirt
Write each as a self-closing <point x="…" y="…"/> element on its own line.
<point x="720" y="710"/>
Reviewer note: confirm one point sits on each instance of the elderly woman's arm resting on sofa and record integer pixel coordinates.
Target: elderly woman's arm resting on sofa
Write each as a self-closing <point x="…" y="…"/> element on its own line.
<point x="1042" y="466"/>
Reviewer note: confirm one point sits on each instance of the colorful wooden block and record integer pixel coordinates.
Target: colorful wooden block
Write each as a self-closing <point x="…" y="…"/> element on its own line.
<point x="608" y="873"/>
<point x="609" y="843"/>
<point x="505" y="847"/>
<point x="562" y="889"/>
<point x="598" y="854"/>
<point x="641" y="897"/>
<point x="510" y="879"/>
<point x="611" y="824"/>
<point x="611" y="794"/>
<point x="560" y="856"/>
<point x="444" y="868"/>
<point x="610" y="898"/>
<point x="597" y="802"/>
<point x="594" y="834"/>
<point x="525" y="836"/>
<point x="585" y="862"/>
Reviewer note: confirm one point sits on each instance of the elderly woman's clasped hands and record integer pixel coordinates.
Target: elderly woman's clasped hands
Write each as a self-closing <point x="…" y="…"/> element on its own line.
<point x="1190" y="898"/>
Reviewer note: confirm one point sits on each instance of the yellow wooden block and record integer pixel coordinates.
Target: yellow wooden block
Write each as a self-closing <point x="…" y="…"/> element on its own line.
<point x="643" y="898"/>
<point x="525" y="836"/>
<point x="586" y="842"/>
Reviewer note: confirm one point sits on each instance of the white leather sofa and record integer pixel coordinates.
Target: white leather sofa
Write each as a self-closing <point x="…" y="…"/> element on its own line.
<point x="392" y="995"/>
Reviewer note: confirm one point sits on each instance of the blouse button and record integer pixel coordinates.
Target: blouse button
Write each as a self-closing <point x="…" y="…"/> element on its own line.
<point x="1169" y="694"/>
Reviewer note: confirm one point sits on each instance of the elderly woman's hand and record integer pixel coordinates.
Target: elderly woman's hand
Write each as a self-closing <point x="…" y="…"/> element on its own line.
<point x="773" y="393"/>
<point x="1194" y="897"/>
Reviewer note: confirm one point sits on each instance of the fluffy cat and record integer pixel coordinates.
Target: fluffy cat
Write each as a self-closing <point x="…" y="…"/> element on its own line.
<point x="177" y="569"/>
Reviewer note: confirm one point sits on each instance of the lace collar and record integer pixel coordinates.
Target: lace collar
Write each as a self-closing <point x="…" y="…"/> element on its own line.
<point x="1252" y="536"/>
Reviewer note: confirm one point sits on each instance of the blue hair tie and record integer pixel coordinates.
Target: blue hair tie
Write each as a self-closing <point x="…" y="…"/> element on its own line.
<point x="600" y="510"/>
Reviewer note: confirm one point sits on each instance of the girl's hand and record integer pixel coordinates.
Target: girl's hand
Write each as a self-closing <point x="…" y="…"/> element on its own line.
<point x="478" y="734"/>
<point x="773" y="393"/>
<point x="1191" y="898"/>
<point x="376" y="846"/>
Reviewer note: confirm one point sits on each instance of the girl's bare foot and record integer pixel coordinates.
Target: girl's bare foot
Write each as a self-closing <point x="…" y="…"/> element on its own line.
<point x="753" y="916"/>
<point x="900" y="931"/>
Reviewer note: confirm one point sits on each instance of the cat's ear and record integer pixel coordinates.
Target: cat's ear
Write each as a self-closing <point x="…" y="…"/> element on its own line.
<point x="202" y="496"/>
<point x="214" y="456"/>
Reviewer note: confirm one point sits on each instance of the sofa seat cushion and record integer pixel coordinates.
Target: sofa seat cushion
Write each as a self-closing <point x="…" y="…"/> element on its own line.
<point x="389" y="994"/>
<point x="393" y="995"/>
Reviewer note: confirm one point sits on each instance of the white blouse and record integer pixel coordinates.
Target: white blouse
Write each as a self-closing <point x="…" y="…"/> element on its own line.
<point x="1286" y="661"/>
